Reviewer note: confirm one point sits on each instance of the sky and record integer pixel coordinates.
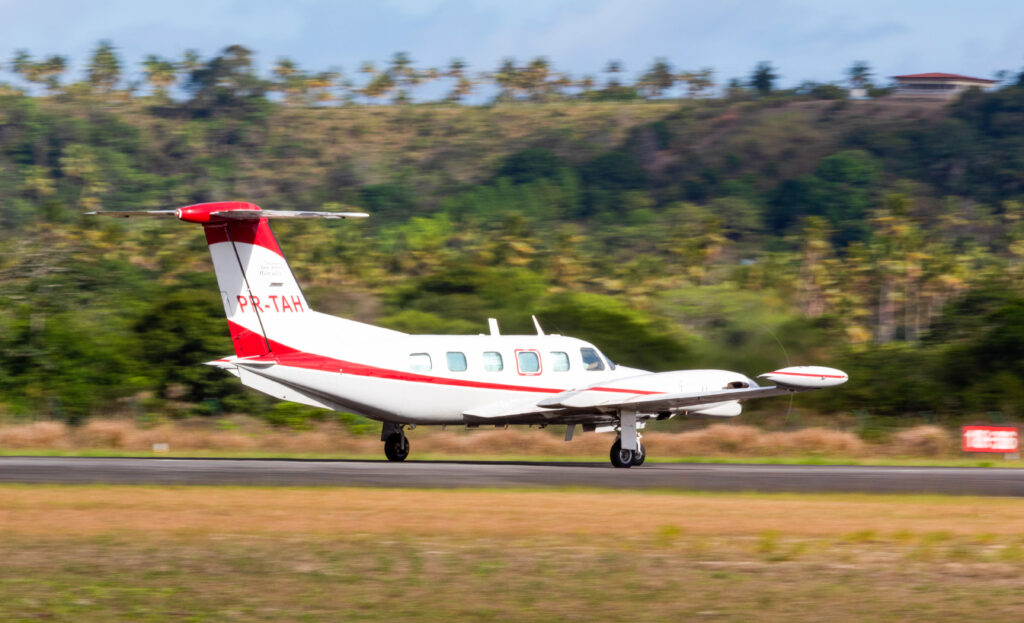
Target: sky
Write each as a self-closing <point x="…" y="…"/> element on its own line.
<point x="804" y="39"/>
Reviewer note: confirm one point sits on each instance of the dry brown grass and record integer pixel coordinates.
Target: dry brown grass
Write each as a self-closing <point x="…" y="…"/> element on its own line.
<point x="929" y="441"/>
<point x="717" y="440"/>
<point x="95" y="510"/>
<point x="154" y="554"/>
<point x="35" y="435"/>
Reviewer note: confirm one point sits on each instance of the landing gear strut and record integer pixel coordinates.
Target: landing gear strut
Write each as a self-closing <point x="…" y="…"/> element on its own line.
<point x="396" y="444"/>
<point x="627" y="450"/>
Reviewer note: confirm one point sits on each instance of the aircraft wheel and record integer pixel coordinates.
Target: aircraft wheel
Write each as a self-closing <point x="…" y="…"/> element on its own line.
<point x="621" y="457"/>
<point x="640" y="455"/>
<point x="396" y="448"/>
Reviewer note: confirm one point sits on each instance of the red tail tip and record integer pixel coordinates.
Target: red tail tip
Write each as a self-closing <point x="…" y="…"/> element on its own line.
<point x="200" y="212"/>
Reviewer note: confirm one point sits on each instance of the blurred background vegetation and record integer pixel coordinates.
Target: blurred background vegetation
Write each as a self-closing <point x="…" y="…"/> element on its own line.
<point x="675" y="221"/>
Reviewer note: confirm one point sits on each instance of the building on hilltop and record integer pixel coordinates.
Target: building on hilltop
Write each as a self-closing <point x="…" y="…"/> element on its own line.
<point x="937" y="85"/>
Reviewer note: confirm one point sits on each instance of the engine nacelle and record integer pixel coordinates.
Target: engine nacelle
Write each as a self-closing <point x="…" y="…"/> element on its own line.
<point x="721" y="409"/>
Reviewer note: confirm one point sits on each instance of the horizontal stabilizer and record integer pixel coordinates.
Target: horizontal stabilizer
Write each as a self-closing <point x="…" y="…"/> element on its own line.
<point x="251" y="214"/>
<point x="234" y="214"/>
<point x="134" y="213"/>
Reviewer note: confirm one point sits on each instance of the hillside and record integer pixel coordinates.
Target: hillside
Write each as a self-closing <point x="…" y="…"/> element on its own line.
<point x="883" y="236"/>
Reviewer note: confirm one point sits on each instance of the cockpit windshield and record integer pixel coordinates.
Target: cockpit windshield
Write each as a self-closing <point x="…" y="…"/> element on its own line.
<point x="591" y="360"/>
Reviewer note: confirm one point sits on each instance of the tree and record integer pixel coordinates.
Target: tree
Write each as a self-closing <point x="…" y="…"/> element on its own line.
<point x="508" y="79"/>
<point x="698" y="83"/>
<point x="21" y="63"/>
<point x="613" y="69"/>
<point x="290" y="80"/>
<point x="658" y="79"/>
<point x="763" y="78"/>
<point x="161" y="74"/>
<point x="859" y="75"/>
<point x="463" y="84"/>
<point x="46" y="72"/>
<point x="226" y="83"/>
<point x="534" y="78"/>
<point x="403" y="76"/>
<point x="104" y="67"/>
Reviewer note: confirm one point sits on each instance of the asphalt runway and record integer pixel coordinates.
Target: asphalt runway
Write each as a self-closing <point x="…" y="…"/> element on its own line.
<point x="459" y="474"/>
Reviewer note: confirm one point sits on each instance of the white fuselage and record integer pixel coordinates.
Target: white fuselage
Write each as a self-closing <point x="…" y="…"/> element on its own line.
<point x="437" y="379"/>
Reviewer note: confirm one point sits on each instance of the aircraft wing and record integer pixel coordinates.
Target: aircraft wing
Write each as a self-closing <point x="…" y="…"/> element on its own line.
<point x="598" y="407"/>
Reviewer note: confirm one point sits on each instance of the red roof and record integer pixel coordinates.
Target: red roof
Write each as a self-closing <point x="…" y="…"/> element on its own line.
<point x="941" y="76"/>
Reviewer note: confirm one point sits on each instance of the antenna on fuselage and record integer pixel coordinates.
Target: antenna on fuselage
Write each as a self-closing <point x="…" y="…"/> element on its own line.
<point x="537" y="325"/>
<point x="493" y="324"/>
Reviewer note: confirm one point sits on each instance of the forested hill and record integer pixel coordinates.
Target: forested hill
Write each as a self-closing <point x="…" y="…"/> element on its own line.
<point x="884" y="236"/>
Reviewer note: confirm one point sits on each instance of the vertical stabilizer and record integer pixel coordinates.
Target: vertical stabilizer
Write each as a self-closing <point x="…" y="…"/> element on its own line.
<point x="259" y="291"/>
<point x="262" y="300"/>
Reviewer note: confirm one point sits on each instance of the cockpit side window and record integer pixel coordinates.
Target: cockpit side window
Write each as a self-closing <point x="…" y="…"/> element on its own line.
<point x="591" y="360"/>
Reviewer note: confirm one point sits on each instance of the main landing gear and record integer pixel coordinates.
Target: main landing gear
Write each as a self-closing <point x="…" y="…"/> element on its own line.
<point x="627" y="450"/>
<point x="622" y="457"/>
<point x="396" y="444"/>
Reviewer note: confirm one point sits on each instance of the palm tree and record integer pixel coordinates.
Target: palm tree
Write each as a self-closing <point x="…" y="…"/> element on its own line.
<point x="46" y="72"/>
<point x="613" y="69"/>
<point x="658" y="79"/>
<point x="859" y="75"/>
<point x="763" y="78"/>
<point x="161" y="74"/>
<point x="403" y="76"/>
<point x="463" y="84"/>
<point x="51" y="70"/>
<point x="534" y="77"/>
<point x="508" y="79"/>
<point x="290" y="80"/>
<point x="698" y="83"/>
<point x="104" y="67"/>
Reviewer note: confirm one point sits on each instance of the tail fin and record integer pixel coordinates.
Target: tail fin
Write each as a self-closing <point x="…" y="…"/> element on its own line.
<point x="257" y="286"/>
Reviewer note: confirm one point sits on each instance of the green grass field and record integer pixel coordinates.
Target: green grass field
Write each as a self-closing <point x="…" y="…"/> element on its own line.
<point x="118" y="553"/>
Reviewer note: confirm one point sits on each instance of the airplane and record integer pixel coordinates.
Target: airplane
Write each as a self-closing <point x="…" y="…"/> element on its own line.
<point x="287" y="350"/>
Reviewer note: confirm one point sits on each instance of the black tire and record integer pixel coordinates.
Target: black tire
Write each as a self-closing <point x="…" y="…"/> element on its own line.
<point x="396" y="448"/>
<point x="640" y="455"/>
<point x="619" y="456"/>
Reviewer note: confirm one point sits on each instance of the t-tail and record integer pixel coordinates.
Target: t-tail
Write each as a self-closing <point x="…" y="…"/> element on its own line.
<point x="266" y="310"/>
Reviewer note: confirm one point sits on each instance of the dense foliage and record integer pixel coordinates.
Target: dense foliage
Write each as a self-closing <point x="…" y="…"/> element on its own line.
<point x="883" y="236"/>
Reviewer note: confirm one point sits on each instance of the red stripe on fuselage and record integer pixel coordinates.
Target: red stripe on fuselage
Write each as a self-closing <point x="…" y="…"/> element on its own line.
<point x="288" y="356"/>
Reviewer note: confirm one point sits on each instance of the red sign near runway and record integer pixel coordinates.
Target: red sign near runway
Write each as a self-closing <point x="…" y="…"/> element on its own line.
<point x="990" y="439"/>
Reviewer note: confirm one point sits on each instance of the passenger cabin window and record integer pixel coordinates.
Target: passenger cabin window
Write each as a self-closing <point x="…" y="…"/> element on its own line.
<point x="591" y="360"/>
<point x="456" y="362"/>
<point x="559" y="361"/>
<point x="528" y="361"/>
<point x="420" y="362"/>
<point x="493" y="361"/>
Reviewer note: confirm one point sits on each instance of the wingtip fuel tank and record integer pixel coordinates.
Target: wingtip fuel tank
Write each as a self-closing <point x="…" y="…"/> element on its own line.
<point x="806" y="377"/>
